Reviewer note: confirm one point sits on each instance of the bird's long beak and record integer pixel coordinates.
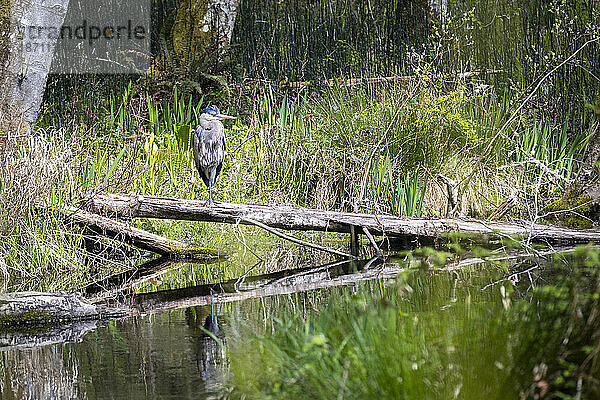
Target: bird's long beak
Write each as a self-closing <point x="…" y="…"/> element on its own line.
<point x="223" y="116"/>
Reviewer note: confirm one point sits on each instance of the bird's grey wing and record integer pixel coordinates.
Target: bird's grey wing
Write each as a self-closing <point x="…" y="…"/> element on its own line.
<point x="198" y="153"/>
<point x="211" y="143"/>
<point x="220" y="165"/>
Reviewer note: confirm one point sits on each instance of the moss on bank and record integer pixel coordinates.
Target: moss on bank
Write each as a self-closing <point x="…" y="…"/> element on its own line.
<point x="575" y="209"/>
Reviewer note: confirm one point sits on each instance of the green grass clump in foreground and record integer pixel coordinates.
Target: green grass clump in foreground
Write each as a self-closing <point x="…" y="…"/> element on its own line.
<point x="431" y="336"/>
<point x="396" y="344"/>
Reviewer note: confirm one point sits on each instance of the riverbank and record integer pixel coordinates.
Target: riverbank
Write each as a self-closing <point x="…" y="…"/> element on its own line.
<point x="372" y="148"/>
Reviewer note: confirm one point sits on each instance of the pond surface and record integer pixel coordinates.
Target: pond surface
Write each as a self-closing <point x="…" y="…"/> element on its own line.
<point x="168" y="354"/>
<point x="461" y="329"/>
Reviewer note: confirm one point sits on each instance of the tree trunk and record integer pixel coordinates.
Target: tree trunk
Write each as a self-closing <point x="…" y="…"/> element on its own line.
<point x="25" y="60"/>
<point x="220" y="19"/>
<point x="194" y="45"/>
<point x="138" y="237"/>
<point x="439" y="7"/>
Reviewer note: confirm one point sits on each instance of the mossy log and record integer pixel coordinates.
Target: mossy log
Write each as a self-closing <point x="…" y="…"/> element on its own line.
<point x="34" y="319"/>
<point x="37" y="308"/>
<point x="298" y="218"/>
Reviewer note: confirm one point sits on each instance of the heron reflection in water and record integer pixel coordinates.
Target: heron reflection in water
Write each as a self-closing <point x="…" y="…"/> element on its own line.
<point x="211" y="352"/>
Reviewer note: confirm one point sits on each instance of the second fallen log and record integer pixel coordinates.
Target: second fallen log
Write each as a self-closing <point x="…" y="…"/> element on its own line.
<point x="21" y="308"/>
<point x="136" y="237"/>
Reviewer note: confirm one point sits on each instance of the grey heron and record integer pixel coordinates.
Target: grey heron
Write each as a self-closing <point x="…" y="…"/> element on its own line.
<point x="209" y="146"/>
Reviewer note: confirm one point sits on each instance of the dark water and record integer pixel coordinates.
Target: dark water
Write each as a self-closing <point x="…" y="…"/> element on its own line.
<point x="477" y="326"/>
<point x="166" y="354"/>
<point x="155" y="356"/>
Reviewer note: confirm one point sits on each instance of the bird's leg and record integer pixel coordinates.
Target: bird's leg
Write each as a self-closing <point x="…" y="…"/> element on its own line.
<point x="211" y="184"/>
<point x="208" y="202"/>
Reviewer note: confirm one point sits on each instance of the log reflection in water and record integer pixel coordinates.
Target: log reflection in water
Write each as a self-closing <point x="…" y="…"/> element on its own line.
<point x="112" y="285"/>
<point x="46" y="335"/>
<point x="340" y="273"/>
<point x="284" y="282"/>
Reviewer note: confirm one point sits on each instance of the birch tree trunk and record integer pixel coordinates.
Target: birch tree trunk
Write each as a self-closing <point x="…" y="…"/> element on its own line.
<point x="220" y="18"/>
<point x="26" y="52"/>
<point x="440" y="7"/>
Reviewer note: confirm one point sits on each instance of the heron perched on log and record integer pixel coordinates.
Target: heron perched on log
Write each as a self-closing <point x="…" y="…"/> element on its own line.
<point x="209" y="146"/>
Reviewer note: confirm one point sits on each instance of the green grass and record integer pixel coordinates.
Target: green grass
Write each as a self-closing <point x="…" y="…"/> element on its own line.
<point x="429" y="336"/>
<point x="552" y="147"/>
<point x="387" y="341"/>
<point x="370" y="149"/>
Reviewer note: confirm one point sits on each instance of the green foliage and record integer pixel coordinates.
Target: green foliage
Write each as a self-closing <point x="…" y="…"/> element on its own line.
<point x="311" y="40"/>
<point x="361" y="148"/>
<point x="405" y="194"/>
<point x="446" y="111"/>
<point x="167" y="150"/>
<point x="384" y="342"/>
<point x="384" y="38"/>
<point x="408" y="199"/>
<point x="431" y="336"/>
<point x="560" y="328"/>
<point x="553" y="147"/>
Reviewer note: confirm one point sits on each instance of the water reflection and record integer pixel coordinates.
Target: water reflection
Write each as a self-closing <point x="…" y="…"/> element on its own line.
<point x="179" y="345"/>
<point x="164" y="355"/>
<point x="279" y="283"/>
<point x="212" y="360"/>
<point x="39" y="336"/>
<point x="179" y="353"/>
<point x="50" y="372"/>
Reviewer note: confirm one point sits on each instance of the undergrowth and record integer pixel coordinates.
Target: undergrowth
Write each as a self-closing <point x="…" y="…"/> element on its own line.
<point x="431" y="335"/>
<point x="367" y="148"/>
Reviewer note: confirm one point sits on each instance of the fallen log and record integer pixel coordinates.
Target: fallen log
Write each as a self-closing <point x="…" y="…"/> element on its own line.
<point x="137" y="237"/>
<point x="298" y="218"/>
<point x="37" y="308"/>
<point x="335" y="82"/>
